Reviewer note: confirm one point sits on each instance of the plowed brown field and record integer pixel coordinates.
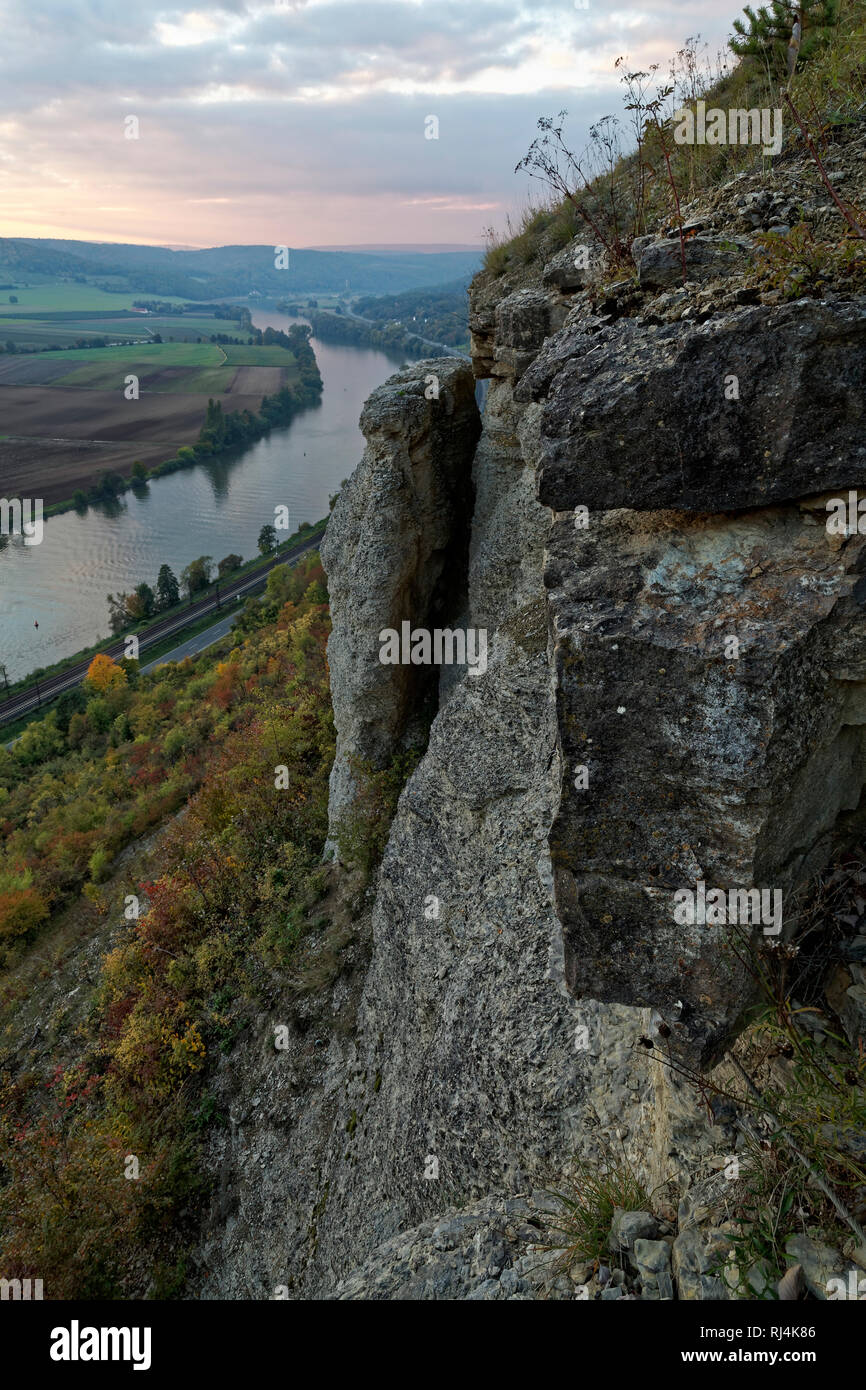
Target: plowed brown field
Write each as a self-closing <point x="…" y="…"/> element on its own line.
<point x="54" y="439"/>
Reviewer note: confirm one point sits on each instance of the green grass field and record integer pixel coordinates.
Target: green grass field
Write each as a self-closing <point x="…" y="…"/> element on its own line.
<point x="113" y="328"/>
<point x="42" y="333"/>
<point x="70" y="297"/>
<point x="191" y="381"/>
<point x="59" y="314"/>
<point x="205" y="370"/>
<point x="190" y="326"/>
<point x="148" y="356"/>
<point x="72" y="312"/>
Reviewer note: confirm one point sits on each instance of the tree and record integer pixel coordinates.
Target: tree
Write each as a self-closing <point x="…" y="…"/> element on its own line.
<point x="109" y="486"/>
<point x="141" y="602"/>
<point x="21" y="910"/>
<point x="196" y="575"/>
<point x="212" y="434"/>
<point x="229" y="564"/>
<point x="103" y="674"/>
<point x="768" y="33"/>
<point x="71" y="702"/>
<point x="167" y="588"/>
<point x="267" y="541"/>
<point x="13" y="299"/>
<point x="139" y="472"/>
<point x="5" y="674"/>
<point x="118" y="612"/>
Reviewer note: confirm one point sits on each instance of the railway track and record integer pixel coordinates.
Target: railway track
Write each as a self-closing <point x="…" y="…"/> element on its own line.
<point x="28" y="700"/>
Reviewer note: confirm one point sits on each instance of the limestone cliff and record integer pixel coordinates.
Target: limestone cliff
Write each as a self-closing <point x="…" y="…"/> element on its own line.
<point x="675" y="694"/>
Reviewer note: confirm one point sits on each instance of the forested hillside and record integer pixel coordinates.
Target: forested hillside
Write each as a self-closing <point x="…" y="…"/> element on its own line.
<point x="219" y="271"/>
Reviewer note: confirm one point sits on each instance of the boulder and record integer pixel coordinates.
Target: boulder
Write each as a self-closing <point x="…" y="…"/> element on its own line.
<point x="697" y="1258"/>
<point x="630" y="1226"/>
<point x="653" y="1261"/>
<point x="660" y="263"/>
<point x="750" y="408"/>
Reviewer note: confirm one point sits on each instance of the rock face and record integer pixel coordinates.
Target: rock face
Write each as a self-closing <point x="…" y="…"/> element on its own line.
<point x="710" y="681"/>
<point x="396" y="551"/>
<point x="569" y="269"/>
<point x="750" y="408"/>
<point x="482" y="1087"/>
<point x="674" y="702"/>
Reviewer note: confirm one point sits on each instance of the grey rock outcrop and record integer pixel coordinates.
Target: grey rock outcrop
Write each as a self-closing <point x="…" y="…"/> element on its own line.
<point x="487" y="1085"/>
<point x="395" y="551"/>
<point x="570" y="268"/>
<point x="710" y="679"/>
<point x="750" y="408"/>
<point x="488" y="1252"/>
<point x="468" y="1070"/>
<point x="660" y="263"/>
<point x="675" y="695"/>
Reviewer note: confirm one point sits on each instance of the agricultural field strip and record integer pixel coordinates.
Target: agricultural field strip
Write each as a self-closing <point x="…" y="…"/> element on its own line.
<point x="75" y="415"/>
<point x="31" y="323"/>
<point x="68" y="297"/>
<point x="185" y="368"/>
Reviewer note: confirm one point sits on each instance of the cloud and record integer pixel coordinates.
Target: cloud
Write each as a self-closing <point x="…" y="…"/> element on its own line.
<point x="255" y="114"/>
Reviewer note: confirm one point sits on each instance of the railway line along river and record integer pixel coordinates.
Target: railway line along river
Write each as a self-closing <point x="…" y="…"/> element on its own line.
<point x="211" y="509"/>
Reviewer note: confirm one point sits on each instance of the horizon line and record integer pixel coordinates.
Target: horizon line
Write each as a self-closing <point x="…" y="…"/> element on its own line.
<point x="420" y="247"/>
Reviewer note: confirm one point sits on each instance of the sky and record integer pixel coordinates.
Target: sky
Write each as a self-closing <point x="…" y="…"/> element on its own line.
<point x="304" y="122"/>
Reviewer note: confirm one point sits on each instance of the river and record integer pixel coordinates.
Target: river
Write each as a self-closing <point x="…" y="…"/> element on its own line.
<point x="213" y="509"/>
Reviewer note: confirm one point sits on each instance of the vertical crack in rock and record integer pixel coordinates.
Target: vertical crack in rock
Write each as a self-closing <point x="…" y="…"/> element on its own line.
<point x="465" y="1018"/>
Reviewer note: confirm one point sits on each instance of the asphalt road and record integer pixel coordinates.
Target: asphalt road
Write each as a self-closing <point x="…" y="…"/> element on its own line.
<point x="27" y="701"/>
<point x="193" y="645"/>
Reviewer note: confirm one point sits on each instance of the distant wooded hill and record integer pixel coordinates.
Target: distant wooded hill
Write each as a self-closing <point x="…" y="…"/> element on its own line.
<point x="440" y="314"/>
<point x="221" y="271"/>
